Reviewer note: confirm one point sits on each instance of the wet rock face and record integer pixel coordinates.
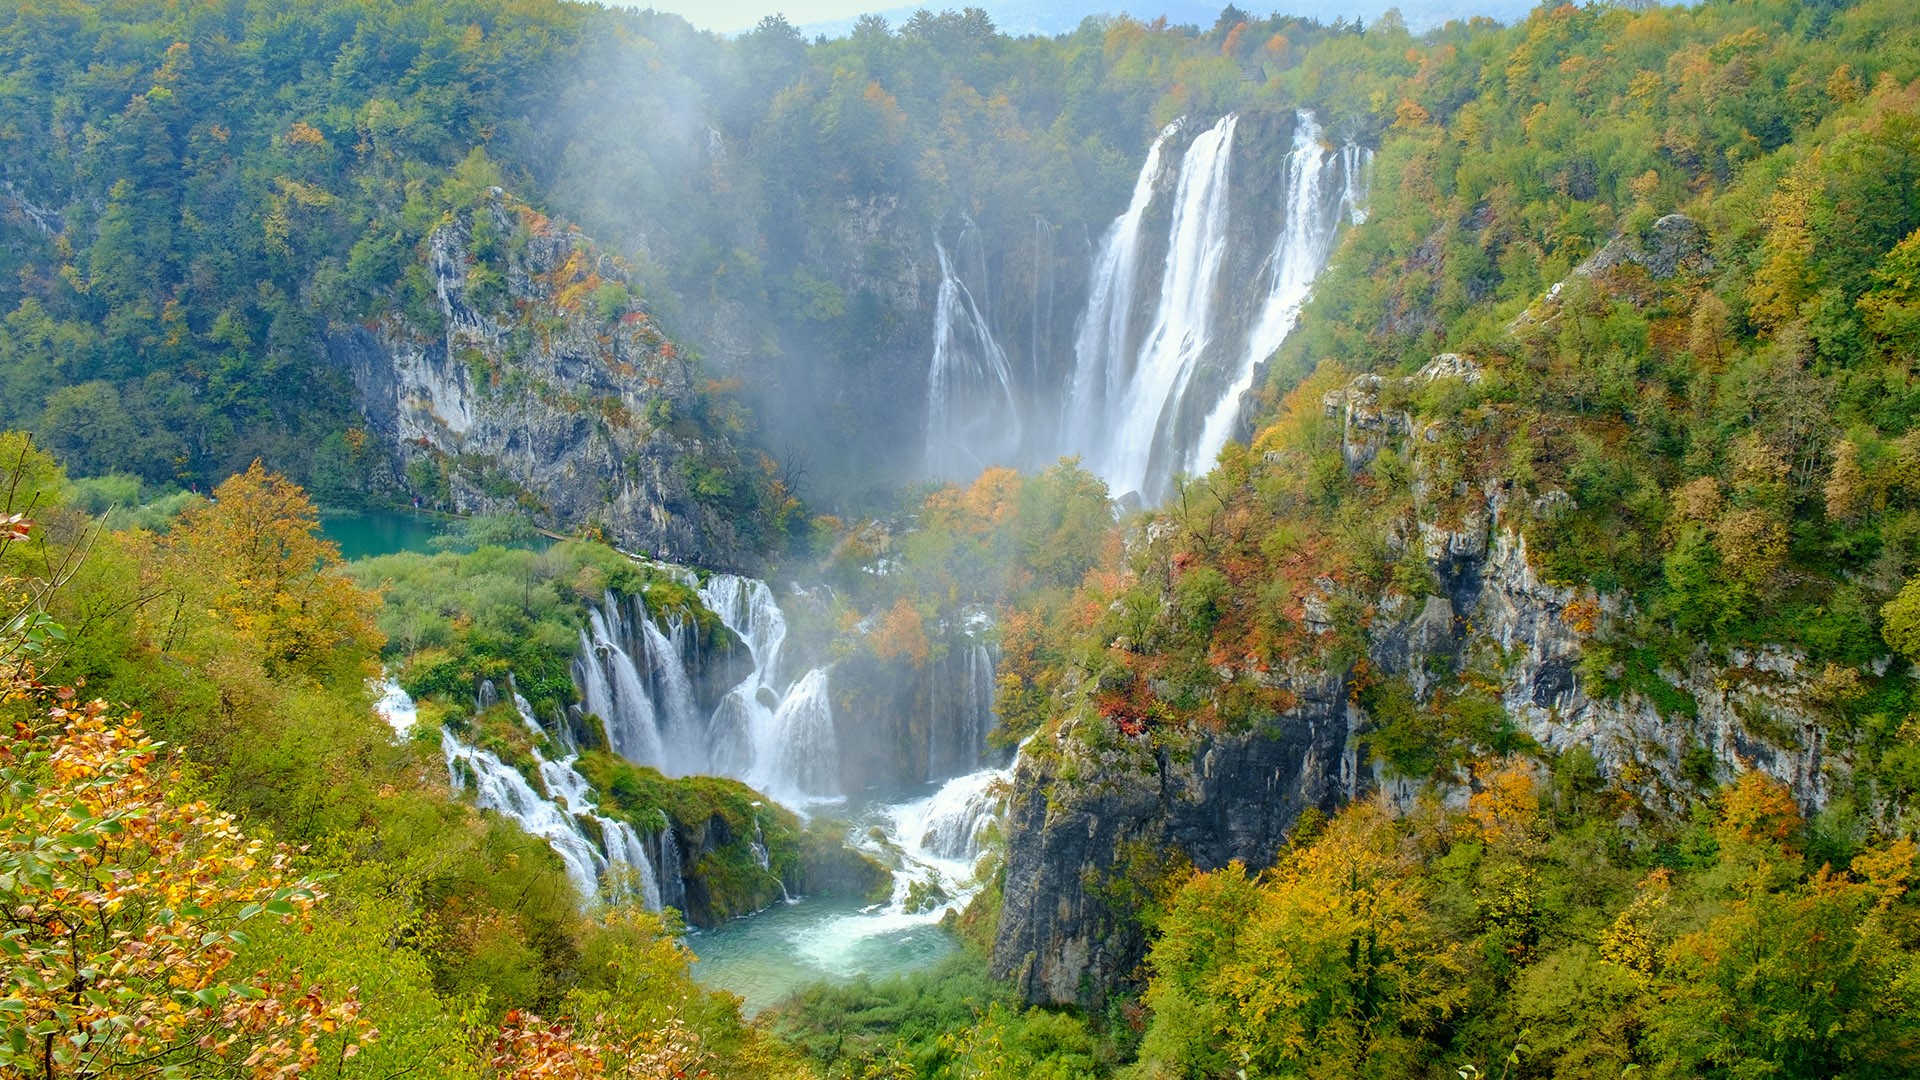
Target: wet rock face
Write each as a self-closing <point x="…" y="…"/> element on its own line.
<point x="1078" y="819"/>
<point x="547" y="389"/>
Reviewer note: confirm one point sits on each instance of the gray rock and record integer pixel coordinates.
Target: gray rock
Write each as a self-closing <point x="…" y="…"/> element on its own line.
<point x="534" y="401"/>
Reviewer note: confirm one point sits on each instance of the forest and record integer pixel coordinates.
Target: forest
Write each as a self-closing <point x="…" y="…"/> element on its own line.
<point x="1527" y="689"/>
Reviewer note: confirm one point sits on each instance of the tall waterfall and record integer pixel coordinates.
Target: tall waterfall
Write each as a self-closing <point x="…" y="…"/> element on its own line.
<point x="973" y="416"/>
<point x="1147" y="423"/>
<point x="1307" y="232"/>
<point x="1188" y="291"/>
<point x="1103" y="347"/>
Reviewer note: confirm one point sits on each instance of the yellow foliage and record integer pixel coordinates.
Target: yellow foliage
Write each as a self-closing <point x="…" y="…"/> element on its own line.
<point x="253" y="557"/>
<point x="124" y="909"/>
<point x="1506" y="808"/>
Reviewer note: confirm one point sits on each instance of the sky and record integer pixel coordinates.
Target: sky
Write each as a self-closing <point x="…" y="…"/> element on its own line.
<point x="1049" y="16"/>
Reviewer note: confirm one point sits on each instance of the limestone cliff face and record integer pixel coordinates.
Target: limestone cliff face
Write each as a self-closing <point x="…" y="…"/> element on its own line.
<point x="547" y="389"/>
<point x="1077" y="812"/>
<point x="1084" y="820"/>
<point x="1752" y="709"/>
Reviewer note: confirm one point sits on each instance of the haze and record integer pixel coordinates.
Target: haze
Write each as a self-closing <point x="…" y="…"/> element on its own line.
<point x="834" y="17"/>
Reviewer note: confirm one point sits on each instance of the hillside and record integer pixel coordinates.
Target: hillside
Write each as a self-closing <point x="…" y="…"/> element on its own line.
<point x="1263" y="548"/>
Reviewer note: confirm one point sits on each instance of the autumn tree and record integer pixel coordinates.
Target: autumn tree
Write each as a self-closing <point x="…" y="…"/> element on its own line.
<point x="254" y="557"/>
<point x="1328" y="966"/>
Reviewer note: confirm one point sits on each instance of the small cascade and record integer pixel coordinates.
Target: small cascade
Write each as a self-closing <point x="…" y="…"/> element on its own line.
<point x="500" y="788"/>
<point x="1356" y="167"/>
<point x="558" y="817"/>
<point x="625" y="849"/>
<point x="973" y="417"/>
<point x="951" y="824"/>
<point x="396" y="707"/>
<point x="764" y="858"/>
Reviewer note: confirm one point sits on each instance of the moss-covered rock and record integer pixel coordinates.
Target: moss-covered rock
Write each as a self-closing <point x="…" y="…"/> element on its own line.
<point x="716" y="824"/>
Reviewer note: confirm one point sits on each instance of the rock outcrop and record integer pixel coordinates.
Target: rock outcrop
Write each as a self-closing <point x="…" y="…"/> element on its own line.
<point x="1087" y="822"/>
<point x="547" y="389"/>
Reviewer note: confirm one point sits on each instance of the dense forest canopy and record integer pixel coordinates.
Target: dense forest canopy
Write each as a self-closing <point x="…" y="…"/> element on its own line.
<point x="1576" y="539"/>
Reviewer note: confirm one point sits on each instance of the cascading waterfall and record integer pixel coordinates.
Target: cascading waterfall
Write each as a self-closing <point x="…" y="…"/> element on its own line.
<point x="1166" y="347"/>
<point x="973" y="416"/>
<point x="951" y="824"/>
<point x="682" y="727"/>
<point x="777" y="737"/>
<point x="1149" y="418"/>
<point x="559" y="817"/>
<point x="499" y="787"/>
<point x="780" y="740"/>
<point x="1103" y="345"/>
<point x="1306" y="241"/>
<point x="610" y="685"/>
<point x="799" y="761"/>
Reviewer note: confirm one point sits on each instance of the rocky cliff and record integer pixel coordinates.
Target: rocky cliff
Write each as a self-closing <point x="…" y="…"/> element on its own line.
<point x="1096" y="821"/>
<point x="536" y="381"/>
<point x="1095" y="810"/>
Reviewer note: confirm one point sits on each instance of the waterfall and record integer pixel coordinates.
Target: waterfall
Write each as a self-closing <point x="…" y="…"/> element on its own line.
<point x="557" y="817"/>
<point x="395" y="707"/>
<point x="612" y="687"/>
<point x="500" y="788"/>
<point x="1307" y="233"/>
<point x="1159" y="390"/>
<point x="779" y="740"/>
<point x="804" y="763"/>
<point x="673" y="883"/>
<point x="949" y="825"/>
<point x="973" y="415"/>
<point x="962" y="710"/>
<point x="1150" y="412"/>
<point x="1103" y="346"/>
<point x="682" y="728"/>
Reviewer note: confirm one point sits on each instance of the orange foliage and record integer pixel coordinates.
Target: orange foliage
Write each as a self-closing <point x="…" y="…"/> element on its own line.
<point x="255" y="555"/>
<point x="1756" y="808"/>
<point x="901" y="633"/>
<point x="305" y="134"/>
<point x="1506" y="808"/>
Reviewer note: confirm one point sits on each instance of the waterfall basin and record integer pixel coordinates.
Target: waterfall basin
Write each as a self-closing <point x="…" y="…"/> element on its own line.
<point x="931" y="838"/>
<point x="767" y="957"/>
